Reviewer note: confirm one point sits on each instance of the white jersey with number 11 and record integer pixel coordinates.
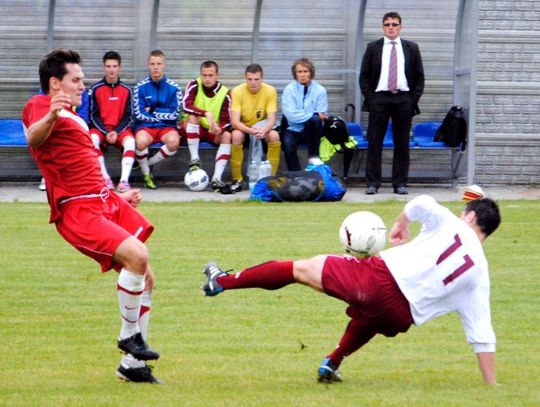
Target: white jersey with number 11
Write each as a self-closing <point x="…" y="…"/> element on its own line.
<point x="444" y="269"/>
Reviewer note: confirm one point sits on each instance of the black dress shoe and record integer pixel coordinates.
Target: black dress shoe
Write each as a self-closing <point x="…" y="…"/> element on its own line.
<point x="371" y="190"/>
<point x="400" y="190"/>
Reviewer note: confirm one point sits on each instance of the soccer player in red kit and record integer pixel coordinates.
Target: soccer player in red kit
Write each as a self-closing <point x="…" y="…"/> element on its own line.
<point x="441" y="270"/>
<point x="111" y="118"/>
<point x="96" y="221"/>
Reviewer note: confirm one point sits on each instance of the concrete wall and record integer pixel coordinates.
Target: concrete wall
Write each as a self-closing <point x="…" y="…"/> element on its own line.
<point x="508" y="87"/>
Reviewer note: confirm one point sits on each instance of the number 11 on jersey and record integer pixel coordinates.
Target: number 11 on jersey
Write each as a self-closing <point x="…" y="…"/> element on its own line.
<point x="468" y="263"/>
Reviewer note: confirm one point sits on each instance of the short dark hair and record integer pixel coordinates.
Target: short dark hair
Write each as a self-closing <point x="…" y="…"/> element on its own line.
<point x="157" y="53"/>
<point x="210" y="64"/>
<point x="305" y="62"/>
<point x="488" y="216"/>
<point x="53" y="65"/>
<point x="254" y="68"/>
<point x="112" y="55"/>
<point x="392" y="14"/>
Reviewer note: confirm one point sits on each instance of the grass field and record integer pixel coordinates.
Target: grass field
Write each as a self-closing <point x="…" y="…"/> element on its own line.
<point x="59" y="319"/>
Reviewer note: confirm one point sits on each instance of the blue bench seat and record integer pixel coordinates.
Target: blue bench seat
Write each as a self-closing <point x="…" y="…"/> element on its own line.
<point x="422" y="139"/>
<point x="11" y="133"/>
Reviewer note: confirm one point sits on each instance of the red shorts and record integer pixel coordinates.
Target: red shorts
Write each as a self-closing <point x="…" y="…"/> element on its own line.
<point x="103" y="142"/>
<point x="371" y="292"/>
<point x="204" y="134"/>
<point x="96" y="226"/>
<point x="157" y="133"/>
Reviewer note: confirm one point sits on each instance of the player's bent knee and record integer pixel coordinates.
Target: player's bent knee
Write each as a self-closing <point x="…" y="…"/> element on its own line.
<point x="226" y="137"/>
<point x="309" y="271"/>
<point x="272" y="136"/>
<point x="238" y="137"/>
<point x="133" y="255"/>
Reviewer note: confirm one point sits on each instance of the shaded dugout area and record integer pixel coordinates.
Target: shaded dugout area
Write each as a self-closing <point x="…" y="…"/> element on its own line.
<point x="478" y="54"/>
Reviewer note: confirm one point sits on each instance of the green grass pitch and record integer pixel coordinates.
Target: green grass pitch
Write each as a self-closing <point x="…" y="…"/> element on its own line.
<point x="59" y="318"/>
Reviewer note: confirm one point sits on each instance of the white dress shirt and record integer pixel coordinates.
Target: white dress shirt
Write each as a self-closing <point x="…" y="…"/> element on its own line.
<point x="402" y="83"/>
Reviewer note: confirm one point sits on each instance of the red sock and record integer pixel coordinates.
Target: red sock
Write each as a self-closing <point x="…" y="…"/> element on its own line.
<point x="356" y="335"/>
<point x="270" y="276"/>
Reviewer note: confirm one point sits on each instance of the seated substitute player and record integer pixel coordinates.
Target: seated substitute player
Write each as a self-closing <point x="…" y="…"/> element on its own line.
<point x="253" y="112"/>
<point x="157" y="102"/>
<point x="440" y="271"/>
<point x="304" y="103"/>
<point x="110" y="119"/>
<point x="99" y="223"/>
<point x="206" y="116"/>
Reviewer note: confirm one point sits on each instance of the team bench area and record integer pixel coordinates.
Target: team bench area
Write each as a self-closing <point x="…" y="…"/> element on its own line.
<point x="430" y="160"/>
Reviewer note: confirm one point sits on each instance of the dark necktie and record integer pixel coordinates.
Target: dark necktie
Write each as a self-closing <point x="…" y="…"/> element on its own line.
<point x="392" y="70"/>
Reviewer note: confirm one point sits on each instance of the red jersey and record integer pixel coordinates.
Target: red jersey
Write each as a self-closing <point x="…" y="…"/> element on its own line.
<point x="110" y="107"/>
<point x="67" y="159"/>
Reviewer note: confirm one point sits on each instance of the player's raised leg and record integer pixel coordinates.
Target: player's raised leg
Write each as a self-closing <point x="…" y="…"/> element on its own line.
<point x="271" y="275"/>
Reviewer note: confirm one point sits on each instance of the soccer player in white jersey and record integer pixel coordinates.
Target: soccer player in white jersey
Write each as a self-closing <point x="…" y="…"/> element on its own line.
<point x="442" y="270"/>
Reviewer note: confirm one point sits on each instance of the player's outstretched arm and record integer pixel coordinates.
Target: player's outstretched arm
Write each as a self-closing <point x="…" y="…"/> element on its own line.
<point x="399" y="233"/>
<point x="39" y="131"/>
<point x="486" y="363"/>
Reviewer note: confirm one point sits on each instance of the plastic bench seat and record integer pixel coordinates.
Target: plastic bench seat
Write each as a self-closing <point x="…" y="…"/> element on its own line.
<point x="12" y="133"/>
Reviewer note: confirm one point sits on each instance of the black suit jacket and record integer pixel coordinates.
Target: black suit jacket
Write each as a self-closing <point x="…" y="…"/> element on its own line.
<point x="371" y="71"/>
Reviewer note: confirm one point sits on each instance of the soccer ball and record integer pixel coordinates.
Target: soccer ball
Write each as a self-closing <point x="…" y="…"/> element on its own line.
<point x="196" y="180"/>
<point x="363" y="234"/>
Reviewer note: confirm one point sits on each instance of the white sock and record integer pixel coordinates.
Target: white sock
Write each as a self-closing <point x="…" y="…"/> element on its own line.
<point x="193" y="147"/>
<point x="163" y="153"/>
<point x="130" y="289"/>
<point x="142" y="158"/>
<point x="144" y="316"/>
<point x="128" y="361"/>
<point x="101" y="159"/>
<point x="127" y="159"/>
<point x="222" y="158"/>
<point x="104" y="171"/>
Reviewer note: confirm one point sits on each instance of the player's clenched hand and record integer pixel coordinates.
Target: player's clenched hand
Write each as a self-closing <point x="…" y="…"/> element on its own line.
<point x="59" y="102"/>
<point x="111" y="137"/>
<point x="399" y="234"/>
<point x="259" y="132"/>
<point x="131" y="196"/>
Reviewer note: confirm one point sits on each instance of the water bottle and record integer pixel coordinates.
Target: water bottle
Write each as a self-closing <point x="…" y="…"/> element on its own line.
<point x="253" y="174"/>
<point x="265" y="170"/>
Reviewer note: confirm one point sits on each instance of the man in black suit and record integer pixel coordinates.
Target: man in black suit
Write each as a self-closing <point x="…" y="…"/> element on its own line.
<point x="392" y="82"/>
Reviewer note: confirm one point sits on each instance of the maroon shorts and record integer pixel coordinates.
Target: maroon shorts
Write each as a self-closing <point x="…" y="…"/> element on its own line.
<point x="371" y="292"/>
<point x="97" y="226"/>
<point x="157" y="133"/>
<point x="204" y="134"/>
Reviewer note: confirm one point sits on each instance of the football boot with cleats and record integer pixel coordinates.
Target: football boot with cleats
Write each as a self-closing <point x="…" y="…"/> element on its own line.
<point x="141" y="374"/>
<point x="136" y="346"/>
<point x="212" y="272"/>
<point x="328" y="373"/>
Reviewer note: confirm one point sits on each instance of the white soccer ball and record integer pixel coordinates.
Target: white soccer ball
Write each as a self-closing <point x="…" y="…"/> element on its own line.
<point x="363" y="234"/>
<point x="196" y="180"/>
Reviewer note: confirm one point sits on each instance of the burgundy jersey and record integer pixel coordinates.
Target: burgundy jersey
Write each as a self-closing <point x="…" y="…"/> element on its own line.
<point x="67" y="159"/>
